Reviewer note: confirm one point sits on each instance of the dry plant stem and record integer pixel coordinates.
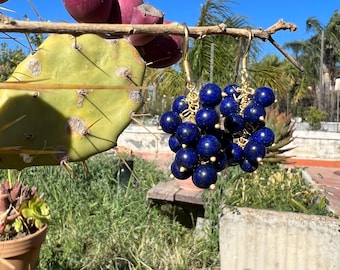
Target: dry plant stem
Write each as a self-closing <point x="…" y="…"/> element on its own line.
<point x="10" y="25"/>
<point x="133" y="118"/>
<point x="29" y="86"/>
<point x="289" y="57"/>
<point x="127" y="165"/>
<point x="17" y="26"/>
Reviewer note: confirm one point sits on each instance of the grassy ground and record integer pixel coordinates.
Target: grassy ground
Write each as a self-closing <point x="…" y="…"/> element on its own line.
<point x="98" y="224"/>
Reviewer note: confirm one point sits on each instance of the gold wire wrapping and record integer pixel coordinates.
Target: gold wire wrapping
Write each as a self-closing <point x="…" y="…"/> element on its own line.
<point x="192" y="97"/>
<point x="245" y="90"/>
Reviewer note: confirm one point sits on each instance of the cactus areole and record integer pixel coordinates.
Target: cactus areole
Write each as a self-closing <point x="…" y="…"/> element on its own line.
<point x="53" y="126"/>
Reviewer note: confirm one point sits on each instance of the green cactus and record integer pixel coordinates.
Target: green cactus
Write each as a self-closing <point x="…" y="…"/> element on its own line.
<point x="78" y="97"/>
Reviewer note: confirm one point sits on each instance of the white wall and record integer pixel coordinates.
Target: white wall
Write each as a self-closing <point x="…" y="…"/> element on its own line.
<point x="315" y="145"/>
<point x="309" y="144"/>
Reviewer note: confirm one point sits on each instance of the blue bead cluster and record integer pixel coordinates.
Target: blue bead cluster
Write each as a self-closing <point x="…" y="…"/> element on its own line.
<point x="228" y="129"/>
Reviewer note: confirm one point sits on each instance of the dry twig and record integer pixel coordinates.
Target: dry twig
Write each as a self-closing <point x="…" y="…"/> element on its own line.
<point x="17" y="26"/>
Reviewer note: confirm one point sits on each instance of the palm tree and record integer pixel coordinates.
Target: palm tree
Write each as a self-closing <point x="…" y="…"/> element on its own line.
<point x="226" y="48"/>
<point x="171" y="82"/>
<point x="268" y="72"/>
<point x="332" y="43"/>
<point x="287" y="82"/>
<point x="319" y="55"/>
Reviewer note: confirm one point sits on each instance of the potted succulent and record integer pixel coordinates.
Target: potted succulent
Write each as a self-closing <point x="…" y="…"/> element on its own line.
<point x="24" y="218"/>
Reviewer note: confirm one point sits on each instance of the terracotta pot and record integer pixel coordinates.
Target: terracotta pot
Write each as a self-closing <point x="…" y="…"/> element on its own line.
<point x="22" y="253"/>
<point x="187" y="184"/>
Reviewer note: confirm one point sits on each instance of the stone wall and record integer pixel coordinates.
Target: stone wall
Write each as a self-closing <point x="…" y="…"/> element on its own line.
<point x="257" y="239"/>
<point x="152" y="144"/>
<point x="148" y="142"/>
<point x="321" y="145"/>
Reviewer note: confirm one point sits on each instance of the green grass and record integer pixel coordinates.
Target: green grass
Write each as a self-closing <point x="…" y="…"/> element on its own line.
<point x="97" y="224"/>
<point x="271" y="187"/>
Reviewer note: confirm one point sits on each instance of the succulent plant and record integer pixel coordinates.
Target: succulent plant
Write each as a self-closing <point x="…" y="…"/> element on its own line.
<point x="35" y="211"/>
<point x="22" y="211"/>
<point x="283" y="127"/>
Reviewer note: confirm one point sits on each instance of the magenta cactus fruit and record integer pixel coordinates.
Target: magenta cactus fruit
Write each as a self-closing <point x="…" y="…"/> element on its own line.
<point x="163" y="51"/>
<point x="122" y="10"/>
<point x="145" y="14"/>
<point x="89" y="11"/>
<point x="126" y="9"/>
<point x="50" y="126"/>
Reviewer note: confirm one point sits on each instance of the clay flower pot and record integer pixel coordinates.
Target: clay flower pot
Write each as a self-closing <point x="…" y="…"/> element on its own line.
<point x="22" y="253"/>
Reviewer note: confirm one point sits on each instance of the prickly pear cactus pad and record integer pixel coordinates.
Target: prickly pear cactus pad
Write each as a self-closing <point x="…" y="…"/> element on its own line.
<point x="51" y="126"/>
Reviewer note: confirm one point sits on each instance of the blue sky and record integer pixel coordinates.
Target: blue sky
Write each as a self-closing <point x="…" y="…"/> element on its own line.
<point x="259" y="13"/>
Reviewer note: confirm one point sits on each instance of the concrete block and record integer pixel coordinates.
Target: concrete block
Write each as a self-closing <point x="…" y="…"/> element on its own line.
<point x="254" y="239"/>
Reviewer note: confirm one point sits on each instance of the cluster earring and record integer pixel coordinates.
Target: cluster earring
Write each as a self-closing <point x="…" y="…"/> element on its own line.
<point x="212" y="129"/>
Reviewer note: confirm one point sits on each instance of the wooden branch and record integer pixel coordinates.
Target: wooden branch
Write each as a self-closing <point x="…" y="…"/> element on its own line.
<point x="10" y="25"/>
<point x="16" y="26"/>
<point x="281" y="25"/>
<point x="289" y="57"/>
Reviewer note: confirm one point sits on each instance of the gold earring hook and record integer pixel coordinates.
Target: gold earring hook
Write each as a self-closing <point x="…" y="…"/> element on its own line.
<point x="192" y="97"/>
<point x="244" y="71"/>
<point x="187" y="69"/>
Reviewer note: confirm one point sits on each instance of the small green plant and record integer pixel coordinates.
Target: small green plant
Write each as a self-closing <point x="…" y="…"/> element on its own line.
<point x="314" y="116"/>
<point x="22" y="211"/>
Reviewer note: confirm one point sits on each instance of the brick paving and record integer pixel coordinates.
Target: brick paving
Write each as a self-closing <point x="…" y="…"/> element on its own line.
<point x="328" y="179"/>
